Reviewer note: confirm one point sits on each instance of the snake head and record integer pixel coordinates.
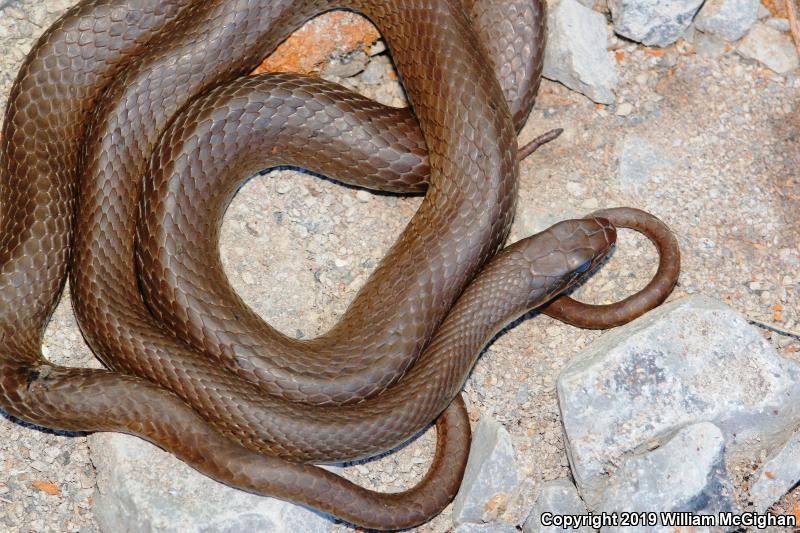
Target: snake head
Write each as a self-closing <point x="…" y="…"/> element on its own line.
<point x="564" y="252"/>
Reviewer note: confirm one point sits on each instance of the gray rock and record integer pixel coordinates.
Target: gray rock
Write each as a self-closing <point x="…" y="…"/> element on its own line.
<point x="689" y="361"/>
<point x="141" y="488"/>
<point x="771" y="47"/>
<point x="577" y="54"/>
<point x="558" y="497"/>
<point x="641" y="163"/>
<point x="493" y="527"/>
<point x="684" y="474"/>
<point x="777" y="475"/>
<point x="727" y="19"/>
<point x="653" y="22"/>
<point x="491" y="475"/>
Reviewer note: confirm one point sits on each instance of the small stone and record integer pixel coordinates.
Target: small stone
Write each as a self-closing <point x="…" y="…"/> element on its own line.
<point x="686" y="473"/>
<point x="763" y="12"/>
<point x="491" y="475"/>
<point x="624" y="109"/>
<point x="283" y="187"/>
<point x="363" y="196"/>
<point x="556" y="498"/>
<point x="576" y="53"/>
<point x="38" y="14"/>
<point x="770" y="47"/>
<point x="39" y="466"/>
<point x="727" y="19"/>
<point x="653" y="22"/>
<point x="576" y="189"/>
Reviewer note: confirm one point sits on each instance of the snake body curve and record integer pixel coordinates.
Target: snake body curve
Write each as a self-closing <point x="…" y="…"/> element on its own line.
<point x="88" y="108"/>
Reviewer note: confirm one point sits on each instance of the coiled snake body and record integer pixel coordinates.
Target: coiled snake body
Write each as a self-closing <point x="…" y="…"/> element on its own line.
<point x="123" y="100"/>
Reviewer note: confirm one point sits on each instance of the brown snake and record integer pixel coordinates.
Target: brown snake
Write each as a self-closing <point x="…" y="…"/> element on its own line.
<point x="127" y="132"/>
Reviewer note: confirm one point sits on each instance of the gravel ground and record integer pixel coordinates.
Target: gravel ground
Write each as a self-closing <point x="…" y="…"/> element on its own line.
<point x="721" y="134"/>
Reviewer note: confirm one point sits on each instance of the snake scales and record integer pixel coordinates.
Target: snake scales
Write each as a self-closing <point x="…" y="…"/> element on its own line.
<point x="126" y="134"/>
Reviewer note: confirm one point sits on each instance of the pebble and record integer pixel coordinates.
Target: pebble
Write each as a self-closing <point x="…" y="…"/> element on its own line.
<point x="624" y="109"/>
<point x="576" y="189"/>
<point x="363" y="196"/>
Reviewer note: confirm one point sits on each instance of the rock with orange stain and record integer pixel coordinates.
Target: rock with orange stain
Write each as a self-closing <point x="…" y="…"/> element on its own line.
<point x="309" y="49"/>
